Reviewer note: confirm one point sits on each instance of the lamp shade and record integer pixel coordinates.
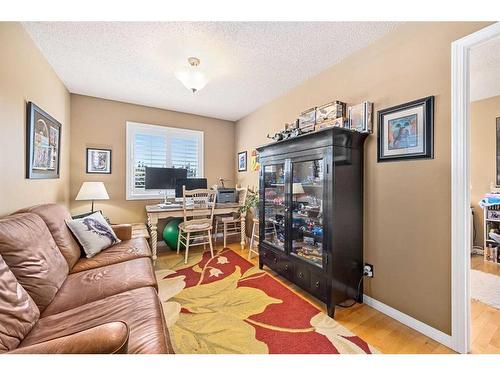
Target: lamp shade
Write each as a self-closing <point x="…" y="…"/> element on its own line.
<point x="192" y="76"/>
<point x="297" y="188"/>
<point x="92" y="191"/>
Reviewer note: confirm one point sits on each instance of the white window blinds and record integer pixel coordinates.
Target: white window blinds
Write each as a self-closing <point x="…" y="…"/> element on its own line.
<point x="160" y="146"/>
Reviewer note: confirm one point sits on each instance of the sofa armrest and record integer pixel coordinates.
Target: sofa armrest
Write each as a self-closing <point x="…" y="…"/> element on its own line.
<point x="108" y="338"/>
<point x="122" y="231"/>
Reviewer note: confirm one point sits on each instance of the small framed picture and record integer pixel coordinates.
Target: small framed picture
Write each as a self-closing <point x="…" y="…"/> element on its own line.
<point x="242" y="161"/>
<point x="406" y="131"/>
<point x="98" y="160"/>
<point x="43" y="144"/>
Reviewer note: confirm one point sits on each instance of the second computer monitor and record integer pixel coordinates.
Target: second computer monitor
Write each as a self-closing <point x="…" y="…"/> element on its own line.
<point x="190" y="184"/>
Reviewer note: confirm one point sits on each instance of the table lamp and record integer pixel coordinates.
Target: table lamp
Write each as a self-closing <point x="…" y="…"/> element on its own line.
<point x="297" y="188"/>
<point x="91" y="191"/>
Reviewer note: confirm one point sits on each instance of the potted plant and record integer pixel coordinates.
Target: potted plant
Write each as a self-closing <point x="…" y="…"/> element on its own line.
<point x="252" y="201"/>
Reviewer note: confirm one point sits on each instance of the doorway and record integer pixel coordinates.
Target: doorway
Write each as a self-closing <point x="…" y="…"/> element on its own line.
<point x="462" y="235"/>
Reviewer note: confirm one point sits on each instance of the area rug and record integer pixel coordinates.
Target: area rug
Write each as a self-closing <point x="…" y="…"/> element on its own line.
<point x="485" y="287"/>
<point x="226" y="305"/>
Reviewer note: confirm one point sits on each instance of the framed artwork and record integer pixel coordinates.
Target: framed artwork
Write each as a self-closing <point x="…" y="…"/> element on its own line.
<point x="98" y="160"/>
<point x="43" y="144"/>
<point x="254" y="161"/>
<point x="242" y="161"/>
<point x="406" y="131"/>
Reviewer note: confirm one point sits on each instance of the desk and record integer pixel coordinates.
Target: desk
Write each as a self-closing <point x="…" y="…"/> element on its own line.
<point x="154" y="213"/>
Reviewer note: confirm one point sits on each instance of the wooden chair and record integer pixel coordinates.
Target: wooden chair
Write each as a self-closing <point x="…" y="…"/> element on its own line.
<point x="231" y="224"/>
<point x="198" y="206"/>
<point x="254" y="239"/>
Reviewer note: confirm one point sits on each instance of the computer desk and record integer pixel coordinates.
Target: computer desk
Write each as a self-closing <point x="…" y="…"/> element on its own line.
<point x="155" y="213"/>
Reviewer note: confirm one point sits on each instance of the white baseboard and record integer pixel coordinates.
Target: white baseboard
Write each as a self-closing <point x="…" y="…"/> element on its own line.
<point x="407" y="320"/>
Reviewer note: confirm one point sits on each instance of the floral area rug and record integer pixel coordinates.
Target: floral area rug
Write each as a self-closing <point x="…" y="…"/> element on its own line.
<point x="226" y="305"/>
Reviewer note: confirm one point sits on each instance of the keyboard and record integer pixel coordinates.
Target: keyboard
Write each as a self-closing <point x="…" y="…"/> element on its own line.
<point x="171" y="205"/>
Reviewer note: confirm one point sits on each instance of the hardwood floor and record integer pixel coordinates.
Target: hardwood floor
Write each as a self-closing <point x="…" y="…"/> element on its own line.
<point x="485" y="327"/>
<point x="384" y="333"/>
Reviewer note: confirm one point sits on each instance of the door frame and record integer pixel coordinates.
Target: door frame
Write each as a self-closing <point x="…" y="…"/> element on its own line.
<point x="460" y="183"/>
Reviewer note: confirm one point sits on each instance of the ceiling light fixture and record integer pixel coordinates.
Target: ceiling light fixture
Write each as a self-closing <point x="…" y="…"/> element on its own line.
<point x="192" y="77"/>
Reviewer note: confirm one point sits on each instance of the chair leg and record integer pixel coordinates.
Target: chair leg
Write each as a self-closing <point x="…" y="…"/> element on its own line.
<point x="210" y="243"/>
<point x="251" y="242"/>
<point x="225" y="234"/>
<point x="216" y="232"/>
<point x="179" y="241"/>
<point x="187" y="249"/>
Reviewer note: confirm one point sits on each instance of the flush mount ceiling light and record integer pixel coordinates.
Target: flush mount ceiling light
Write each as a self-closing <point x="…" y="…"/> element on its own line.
<point x="192" y="77"/>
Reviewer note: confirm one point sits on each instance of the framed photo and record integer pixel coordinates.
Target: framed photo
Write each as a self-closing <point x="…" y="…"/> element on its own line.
<point x="43" y="144"/>
<point x="406" y="131"/>
<point x="242" y="161"/>
<point x="360" y="117"/>
<point x="98" y="160"/>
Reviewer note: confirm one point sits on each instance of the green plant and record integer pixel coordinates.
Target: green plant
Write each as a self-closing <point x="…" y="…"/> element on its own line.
<point x="251" y="201"/>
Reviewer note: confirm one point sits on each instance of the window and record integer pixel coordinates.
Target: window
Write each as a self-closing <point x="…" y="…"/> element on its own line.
<point x="160" y="146"/>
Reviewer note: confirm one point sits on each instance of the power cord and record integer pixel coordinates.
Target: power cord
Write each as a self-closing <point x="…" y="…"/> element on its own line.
<point x="357" y="295"/>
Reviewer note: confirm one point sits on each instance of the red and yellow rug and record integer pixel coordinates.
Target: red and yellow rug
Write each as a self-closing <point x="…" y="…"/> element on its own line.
<point x="228" y="305"/>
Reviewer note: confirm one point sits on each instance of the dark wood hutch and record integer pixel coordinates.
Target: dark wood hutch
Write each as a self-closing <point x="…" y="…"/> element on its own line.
<point x="311" y="212"/>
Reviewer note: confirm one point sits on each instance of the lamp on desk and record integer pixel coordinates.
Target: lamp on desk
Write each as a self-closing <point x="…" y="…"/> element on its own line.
<point x="91" y="191"/>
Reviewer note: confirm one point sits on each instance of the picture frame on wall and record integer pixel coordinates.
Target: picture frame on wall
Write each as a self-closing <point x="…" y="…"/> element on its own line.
<point x="242" y="161"/>
<point x="405" y="131"/>
<point x="98" y="160"/>
<point x="43" y="144"/>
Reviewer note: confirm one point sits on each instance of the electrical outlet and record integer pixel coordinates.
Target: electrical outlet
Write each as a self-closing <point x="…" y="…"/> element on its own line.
<point x="368" y="270"/>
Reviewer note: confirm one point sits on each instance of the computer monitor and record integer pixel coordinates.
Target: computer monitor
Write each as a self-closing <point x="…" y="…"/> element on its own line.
<point x="190" y="184"/>
<point x="163" y="178"/>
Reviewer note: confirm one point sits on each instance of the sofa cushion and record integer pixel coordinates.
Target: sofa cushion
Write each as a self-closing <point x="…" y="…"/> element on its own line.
<point x="29" y="250"/>
<point x="95" y="284"/>
<point x="125" y="250"/>
<point x="54" y="216"/>
<point x="18" y="312"/>
<point x="93" y="233"/>
<point x="140" y="309"/>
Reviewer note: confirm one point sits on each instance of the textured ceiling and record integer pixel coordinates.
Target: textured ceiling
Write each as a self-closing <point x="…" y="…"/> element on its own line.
<point x="485" y="70"/>
<point x="249" y="63"/>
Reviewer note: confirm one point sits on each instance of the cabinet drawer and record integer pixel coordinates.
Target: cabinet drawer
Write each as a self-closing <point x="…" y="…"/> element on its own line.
<point x="302" y="277"/>
<point x="285" y="267"/>
<point x="318" y="286"/>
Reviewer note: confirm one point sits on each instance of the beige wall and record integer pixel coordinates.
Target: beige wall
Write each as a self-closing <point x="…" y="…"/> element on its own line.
<point x="407" y="204"/>
<point x="101" y="123"/>
<point x="483" y="155"/>
<point x="26" y="76"/>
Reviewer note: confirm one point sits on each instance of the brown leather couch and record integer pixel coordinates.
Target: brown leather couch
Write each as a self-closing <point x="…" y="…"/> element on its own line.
<point x="53" y="300"/>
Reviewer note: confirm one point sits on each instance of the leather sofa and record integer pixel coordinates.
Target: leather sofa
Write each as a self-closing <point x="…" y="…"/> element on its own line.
<point x="54" y="300"/>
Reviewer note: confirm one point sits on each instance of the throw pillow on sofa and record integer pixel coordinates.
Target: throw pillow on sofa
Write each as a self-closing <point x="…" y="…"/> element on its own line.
<point x="93" y="233"/>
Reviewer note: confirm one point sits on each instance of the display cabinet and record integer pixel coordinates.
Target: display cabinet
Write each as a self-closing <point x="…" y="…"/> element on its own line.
<point x="311" y="212"/>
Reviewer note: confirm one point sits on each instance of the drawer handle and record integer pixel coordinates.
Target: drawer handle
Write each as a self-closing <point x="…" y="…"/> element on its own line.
<point x="286" y="267"/>
<point x="275" y="260"/>
<point x="301" y="275"/>
<point x="317" y="284"/>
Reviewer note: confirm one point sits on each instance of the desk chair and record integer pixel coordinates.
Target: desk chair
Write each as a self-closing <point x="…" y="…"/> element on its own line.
<point x="231" y="225"/>
<point x="198" y="206"/>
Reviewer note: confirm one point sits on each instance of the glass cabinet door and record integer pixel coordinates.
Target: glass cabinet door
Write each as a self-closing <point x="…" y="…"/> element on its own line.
<point x="274" y="205"/>
<point x="307" y="210"/>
